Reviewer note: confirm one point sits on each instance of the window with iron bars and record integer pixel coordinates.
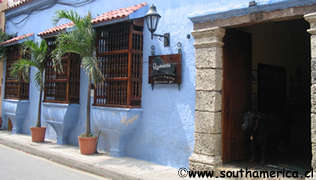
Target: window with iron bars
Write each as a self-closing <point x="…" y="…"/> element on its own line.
<point x="15" y="88"/>
<point x="120" y="53"/>
<point x="62" y="87"/>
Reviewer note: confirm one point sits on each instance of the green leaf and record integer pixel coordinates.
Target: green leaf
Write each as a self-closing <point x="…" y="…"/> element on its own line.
<point x="91" y="66"/>
<point x="38" y="77"/>
<point x="81" y="40"/>
<point x="38" y="56"/>
<point x="21" y="69"/>
<point x="3" y="49"/>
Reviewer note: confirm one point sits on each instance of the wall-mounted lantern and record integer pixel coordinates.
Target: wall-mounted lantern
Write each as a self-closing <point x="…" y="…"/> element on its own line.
<point x="152" y="19"/>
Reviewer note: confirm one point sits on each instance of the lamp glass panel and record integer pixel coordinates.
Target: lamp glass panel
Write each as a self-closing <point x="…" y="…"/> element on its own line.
<point x="152" y="22"/>
<point x="149" y="22"/>
<point x="151" y="27"/>
<point x="147" y="19"/>
<point x="156" y="21"/>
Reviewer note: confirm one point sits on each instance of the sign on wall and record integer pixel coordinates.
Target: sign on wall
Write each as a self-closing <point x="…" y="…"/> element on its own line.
<point x="165" y="69"/>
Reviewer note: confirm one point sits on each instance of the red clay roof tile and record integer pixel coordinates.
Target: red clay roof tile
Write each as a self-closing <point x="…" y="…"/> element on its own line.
<point x="18" y="4"/>
<point x="56" y="29"/>
<point x="117" y="14"/>
<point x="108" y="16"/>
<point x="15" y="39"/>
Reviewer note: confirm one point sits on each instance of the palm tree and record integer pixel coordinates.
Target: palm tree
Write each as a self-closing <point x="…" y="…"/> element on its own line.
<point x="81" y="40"/>
<point x="20" y="69"/>
<point x="3" y="37"/>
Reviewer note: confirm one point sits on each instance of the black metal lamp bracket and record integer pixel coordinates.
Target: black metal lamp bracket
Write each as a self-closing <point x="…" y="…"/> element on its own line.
<point x="166" y="38"/>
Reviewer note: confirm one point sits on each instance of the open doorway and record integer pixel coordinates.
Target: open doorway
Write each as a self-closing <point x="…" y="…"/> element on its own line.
<point x="266" y="70"/>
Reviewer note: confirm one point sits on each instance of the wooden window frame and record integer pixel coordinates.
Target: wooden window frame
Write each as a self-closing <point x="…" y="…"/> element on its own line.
<point x="69" y="77"/>
<point x="103" y="93"/>
<point x="20" y="91"/>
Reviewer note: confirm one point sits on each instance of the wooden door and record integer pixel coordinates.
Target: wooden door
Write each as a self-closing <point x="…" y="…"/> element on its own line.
<point x="236" y="70"/>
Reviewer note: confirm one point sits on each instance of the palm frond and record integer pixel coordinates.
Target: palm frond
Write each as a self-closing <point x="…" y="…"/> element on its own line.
<point x="38" y="77"/>
<point x="38" y="51"/>
<point x="21" y="69"/>
<point x="3" y="37"/>
<point x="81" y="40"/>
<point x="3" y="52"/>
<point x="70" y="15"/>
<point x="56" y="56"/>
<point x="37" y="57"/>
<point x="91" y="66"/>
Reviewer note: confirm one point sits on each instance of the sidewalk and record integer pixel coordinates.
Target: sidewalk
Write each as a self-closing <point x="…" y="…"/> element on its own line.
<point x="99" y="164"/>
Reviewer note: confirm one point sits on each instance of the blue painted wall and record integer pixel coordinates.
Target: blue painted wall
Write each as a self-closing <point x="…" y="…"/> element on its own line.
<point x="165" y="134"/>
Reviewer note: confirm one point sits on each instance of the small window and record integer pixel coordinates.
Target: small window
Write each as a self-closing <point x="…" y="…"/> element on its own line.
<point x="120" y="53"/>
<point x="14" y="88"/>
<point x="62" y="87"/>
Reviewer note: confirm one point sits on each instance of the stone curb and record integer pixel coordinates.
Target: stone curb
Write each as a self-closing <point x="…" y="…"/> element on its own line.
<point x="69" y="162"/>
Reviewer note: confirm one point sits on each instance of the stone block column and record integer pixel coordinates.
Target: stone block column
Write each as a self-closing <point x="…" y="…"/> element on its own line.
<point x="209" y="71"/>
<point x="311" y="18"/>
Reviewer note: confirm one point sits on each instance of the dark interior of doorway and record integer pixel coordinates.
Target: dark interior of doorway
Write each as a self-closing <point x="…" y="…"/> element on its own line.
<point x="278" y="83"/>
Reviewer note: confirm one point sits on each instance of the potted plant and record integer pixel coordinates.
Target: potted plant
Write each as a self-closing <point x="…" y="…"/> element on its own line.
<point x="81" y="40"/>
<point x="36" y="55"/>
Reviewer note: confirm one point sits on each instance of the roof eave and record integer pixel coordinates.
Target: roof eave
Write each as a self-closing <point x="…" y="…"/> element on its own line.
<point x="207" y="17"/>
<point x="95" y="25"/>
<point x="19" y="41"/>
<point x="45" y="36"/>
<point x="141" y="12"/>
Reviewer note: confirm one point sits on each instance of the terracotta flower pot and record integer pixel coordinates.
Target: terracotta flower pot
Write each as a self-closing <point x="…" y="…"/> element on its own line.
<point x="38" y="134"/>
<point x="87" y="145"/>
